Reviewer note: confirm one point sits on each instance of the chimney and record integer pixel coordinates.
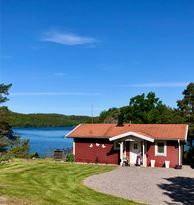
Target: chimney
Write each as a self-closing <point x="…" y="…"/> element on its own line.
<point x="120" y="120"/>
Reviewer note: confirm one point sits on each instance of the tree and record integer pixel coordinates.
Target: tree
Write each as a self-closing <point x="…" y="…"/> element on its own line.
<point x="186" y="107"/>
<point x="19" y="148"/>
<point x="141" y="106"/>
<point x="144" y="109"/>
<point x="6" y="133"/>
<point x="4" y="92"/>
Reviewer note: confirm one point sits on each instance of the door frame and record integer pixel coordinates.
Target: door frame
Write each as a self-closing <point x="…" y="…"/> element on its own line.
<point x="131" y="153"/>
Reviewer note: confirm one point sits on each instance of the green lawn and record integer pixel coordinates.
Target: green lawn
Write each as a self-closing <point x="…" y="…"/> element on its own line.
<point x="47" y="182"/>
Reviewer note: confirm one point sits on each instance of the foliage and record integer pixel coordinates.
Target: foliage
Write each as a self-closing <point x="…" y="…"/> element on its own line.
<point x="144" y="109"/>
<point x="10" y="145"/>
<point x="48" y="182"/>
<point x="6" y="135"/>
<point x="186" y="107"/>
<point x="35" y="155"/>
<point x="5" y="157"/>
<point x="4" y="92"/>
<point x="19" y="148"/>
<point x="189" y="157"/>
<point x="70" y="158"/>
<point x="46" y="120"/>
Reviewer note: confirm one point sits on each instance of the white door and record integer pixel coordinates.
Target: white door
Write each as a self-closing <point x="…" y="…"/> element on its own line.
<point x="135" y="149"/>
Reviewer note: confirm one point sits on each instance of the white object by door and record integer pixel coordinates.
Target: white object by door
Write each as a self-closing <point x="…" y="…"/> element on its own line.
<point x="135" y="149"/>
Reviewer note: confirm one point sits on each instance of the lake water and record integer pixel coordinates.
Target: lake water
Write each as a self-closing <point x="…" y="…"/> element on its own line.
<point x="45" y="140"/>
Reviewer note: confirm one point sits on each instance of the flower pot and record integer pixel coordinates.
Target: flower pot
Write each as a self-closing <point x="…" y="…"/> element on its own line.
<point x="167" y="164"/>
<point x="178" y="166"/>
<point x="152" y="163"/>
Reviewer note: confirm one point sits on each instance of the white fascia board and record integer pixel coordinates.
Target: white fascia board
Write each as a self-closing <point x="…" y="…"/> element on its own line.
<point x="72" y="130"/>
<point x="133" y="134"/>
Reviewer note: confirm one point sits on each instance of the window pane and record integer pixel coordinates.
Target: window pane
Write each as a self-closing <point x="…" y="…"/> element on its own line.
<point x="161" y="148"/>
<point x="116" y="146"/>
<point x="134" y="146"/>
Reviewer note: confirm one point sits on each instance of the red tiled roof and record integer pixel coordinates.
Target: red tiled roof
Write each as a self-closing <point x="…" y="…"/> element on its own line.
<point x="155" y="131"/>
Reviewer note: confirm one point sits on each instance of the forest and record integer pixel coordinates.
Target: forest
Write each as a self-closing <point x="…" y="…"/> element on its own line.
<point x="44" y="120"/>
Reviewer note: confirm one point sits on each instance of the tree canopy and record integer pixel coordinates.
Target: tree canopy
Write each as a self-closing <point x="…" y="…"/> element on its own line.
<point x="186" y="107"/>
<point x="4" y="92"/>
<point x="46" y="120"/>
<point x="144" y="109"/>
<point x="5" y="129"/>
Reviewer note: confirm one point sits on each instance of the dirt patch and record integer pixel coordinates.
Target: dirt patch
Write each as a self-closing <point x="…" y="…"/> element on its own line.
<point x="13" y="201"/>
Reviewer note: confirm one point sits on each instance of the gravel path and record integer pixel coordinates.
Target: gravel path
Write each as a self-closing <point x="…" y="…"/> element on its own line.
<point x="2" y="200"/>
<point x="147" y="185"/>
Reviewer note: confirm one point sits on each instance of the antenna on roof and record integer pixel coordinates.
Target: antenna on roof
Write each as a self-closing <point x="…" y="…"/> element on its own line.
<point x="92" y="114"/>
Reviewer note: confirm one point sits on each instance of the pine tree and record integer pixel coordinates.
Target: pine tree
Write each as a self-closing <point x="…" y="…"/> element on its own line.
<point x="6" y="134"/>
<point x="186" y="106"/>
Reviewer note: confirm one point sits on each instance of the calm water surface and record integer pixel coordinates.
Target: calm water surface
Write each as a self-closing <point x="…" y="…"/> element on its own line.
<point x="45" y="140"/>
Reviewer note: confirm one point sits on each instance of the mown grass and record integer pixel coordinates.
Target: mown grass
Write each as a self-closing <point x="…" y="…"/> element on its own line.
<point x="46" y="182"/>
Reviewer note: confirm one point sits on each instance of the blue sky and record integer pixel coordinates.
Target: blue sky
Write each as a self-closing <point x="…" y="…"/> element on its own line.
<point x="63" y="56"/>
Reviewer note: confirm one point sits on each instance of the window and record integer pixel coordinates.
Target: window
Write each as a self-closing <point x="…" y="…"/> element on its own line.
<point x="135" y="146"/>
<point x="116" y="146"/>
<point x="160" y="148"/>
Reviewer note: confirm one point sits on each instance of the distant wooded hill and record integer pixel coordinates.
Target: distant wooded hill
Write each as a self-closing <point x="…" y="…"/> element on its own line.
<point x="46" y="120"/>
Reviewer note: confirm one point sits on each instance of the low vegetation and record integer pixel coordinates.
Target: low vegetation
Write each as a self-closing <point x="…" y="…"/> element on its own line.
<point x="70" y="157"/>
<point x="45" y="182"/>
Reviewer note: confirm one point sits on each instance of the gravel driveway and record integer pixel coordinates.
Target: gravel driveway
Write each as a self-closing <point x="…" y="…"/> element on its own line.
<point x="147" y="185"/>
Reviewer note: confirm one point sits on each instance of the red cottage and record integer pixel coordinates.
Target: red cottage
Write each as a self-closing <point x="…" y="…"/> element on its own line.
<point x="144" y="144"/>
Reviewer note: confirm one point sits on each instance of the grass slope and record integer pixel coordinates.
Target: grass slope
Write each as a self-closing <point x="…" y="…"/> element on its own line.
<point x="46" y="182"/>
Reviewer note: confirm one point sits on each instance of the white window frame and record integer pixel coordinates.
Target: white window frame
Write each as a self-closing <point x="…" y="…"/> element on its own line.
<point x="156" y="149"/>
<point x="116" y="147"/>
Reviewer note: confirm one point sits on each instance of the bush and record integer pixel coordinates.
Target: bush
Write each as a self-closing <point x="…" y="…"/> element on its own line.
<point x="35" y="155"/>
<point x="20" y="148"/>
<point x="5" y="158"/>
<point x="70" y="158"/>
<point x="189" y="157"/>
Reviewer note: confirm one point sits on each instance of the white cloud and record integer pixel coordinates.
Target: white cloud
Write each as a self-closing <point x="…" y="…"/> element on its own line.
<point x="69" y="39"/>
<point x="158" y="85"/>
<point x="54" y="94"/>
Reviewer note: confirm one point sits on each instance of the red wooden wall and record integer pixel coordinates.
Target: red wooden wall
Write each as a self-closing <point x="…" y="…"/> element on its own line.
<point x="107" y="155"/>
<point x="172" y="154"/>
<point x="84" y="153"/>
